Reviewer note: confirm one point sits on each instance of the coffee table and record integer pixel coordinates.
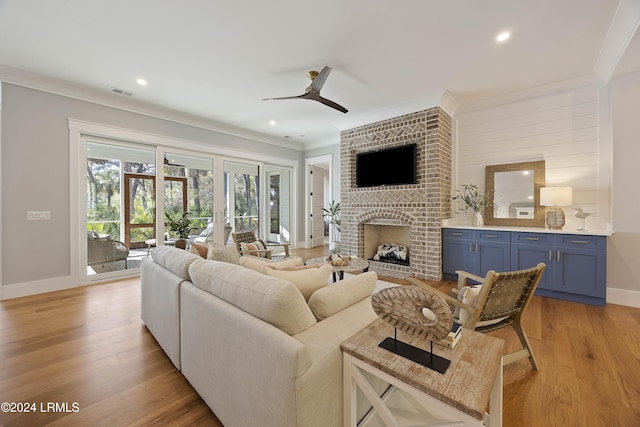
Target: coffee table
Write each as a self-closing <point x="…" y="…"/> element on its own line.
<point x="418" y="395"/>
<point x="355" y="265"/>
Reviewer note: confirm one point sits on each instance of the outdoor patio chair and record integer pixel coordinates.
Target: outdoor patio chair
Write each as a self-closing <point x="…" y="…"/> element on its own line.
<point x="255" y="246"/>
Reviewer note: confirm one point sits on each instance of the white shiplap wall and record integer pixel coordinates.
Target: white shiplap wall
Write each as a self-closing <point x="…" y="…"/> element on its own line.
<point x="569" y="131"/>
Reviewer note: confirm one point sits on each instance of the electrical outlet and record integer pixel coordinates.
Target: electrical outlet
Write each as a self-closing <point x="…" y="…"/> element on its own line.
<point x="38" y="215"/>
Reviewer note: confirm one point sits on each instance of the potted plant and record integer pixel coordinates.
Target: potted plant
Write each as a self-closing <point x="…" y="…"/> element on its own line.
<point x="181" y="226"/>
<point x="472" y="199"/>
<point x="333" y="213"/>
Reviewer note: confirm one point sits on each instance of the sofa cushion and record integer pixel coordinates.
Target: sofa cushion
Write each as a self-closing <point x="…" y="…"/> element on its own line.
<point x="257" y="263"/>
<point x="175" y="260"/>
<point x="271" y="299"/>
<point x="306" y="278"/>
<point x="333" y="298"/>
<point x="223" y="253"/>
<point x="256" y="248"/>
<point x="199" y="249"/>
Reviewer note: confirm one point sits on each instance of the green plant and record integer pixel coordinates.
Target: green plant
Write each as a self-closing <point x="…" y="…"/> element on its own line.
<point x="472" y="198"/>
<point x="333" y="212"/>
<point x="181" y="225"/>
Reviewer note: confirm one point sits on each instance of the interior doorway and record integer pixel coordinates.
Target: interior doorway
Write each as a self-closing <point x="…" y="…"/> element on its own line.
<point x="319" y="184"/>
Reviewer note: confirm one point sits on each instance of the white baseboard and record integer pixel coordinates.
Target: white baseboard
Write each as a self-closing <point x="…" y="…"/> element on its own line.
<point x="623" y="297"/>
<point x="17" y="290"/>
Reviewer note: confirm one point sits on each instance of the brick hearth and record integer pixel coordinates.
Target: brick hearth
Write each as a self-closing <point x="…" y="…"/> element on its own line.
<point x="421" y="206"/>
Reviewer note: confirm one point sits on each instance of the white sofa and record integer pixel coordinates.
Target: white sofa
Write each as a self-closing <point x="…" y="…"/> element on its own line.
<point x="249" y="343"/>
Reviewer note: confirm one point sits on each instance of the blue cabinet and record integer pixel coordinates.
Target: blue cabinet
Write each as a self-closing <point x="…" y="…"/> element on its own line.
<point x="576" y="263"/>
<point x="475" y="251"/>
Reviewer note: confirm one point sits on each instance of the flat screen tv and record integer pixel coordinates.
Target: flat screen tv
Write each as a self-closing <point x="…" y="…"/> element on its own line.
<point x="391" y="166"/>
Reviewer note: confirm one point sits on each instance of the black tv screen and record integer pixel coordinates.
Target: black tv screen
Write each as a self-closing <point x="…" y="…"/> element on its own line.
<point x="391" y="166"/>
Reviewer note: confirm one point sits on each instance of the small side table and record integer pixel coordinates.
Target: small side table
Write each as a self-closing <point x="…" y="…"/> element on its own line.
<point x="152" y="243"/>
<point x="419" y="395"/>
<point x="355" y="264"/>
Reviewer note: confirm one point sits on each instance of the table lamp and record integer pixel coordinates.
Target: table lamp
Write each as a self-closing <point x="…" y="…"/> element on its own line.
<point x="554" y="197"/>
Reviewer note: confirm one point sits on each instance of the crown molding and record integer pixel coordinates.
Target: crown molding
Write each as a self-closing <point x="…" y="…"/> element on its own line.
<point x="623" y="27"/>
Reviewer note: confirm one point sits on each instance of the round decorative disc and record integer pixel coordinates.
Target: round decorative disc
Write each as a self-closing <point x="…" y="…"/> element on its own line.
<point x="414" y="310"/>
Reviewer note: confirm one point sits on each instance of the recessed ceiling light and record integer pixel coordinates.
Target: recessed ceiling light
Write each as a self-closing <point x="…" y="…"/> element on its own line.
<point x="141" y="82"/>
<point x="272" y="122"/>
<point x="502" y="37"/>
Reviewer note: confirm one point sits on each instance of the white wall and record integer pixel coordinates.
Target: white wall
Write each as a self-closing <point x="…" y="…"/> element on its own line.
<point x="566" y="130"/>
<point x="623" y="266"/>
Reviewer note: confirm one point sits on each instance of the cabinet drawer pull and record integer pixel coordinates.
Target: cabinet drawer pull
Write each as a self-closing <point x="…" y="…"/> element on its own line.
<point x="456" y="234"/>
<point x="582" y="242"/>
<point x="558" y="256"/>
<point x="491" y="236"/>
<point x="470" y="246"/>
<point x="535" y="239"/>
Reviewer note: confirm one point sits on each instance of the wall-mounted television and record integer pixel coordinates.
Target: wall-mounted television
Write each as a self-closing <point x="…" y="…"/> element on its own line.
<point x="389" y="166"/>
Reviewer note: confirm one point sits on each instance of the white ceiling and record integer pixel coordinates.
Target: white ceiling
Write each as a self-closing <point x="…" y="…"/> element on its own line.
<point x="217" y="59"/>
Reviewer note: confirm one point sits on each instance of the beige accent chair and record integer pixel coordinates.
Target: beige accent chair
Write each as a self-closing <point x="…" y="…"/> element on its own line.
<point x="499" y="301"/>
<point x="250" y="237"/>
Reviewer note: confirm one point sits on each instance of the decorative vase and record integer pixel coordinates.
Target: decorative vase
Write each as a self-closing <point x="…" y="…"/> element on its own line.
<point x="336" y="247"/>
<point x="478" y="221"/>
<point x="181" y="243"/>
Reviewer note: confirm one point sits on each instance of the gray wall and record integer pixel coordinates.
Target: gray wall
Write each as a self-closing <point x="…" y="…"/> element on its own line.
<point x="35" y="172"/>
<point x="623" y="268"/>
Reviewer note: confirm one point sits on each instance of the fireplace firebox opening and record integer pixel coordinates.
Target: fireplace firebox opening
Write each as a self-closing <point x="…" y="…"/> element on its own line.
<point x="387" y="243"/>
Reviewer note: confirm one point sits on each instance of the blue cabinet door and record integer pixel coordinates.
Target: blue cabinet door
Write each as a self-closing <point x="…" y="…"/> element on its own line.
<point x="492" y="252"/>
<point x="582" y="264"/>
<point x="527" y="256"/>
<point x="455" y="252"/>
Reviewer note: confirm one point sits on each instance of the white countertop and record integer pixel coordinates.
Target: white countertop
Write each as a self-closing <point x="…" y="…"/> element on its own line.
<point x="447" y="224"/>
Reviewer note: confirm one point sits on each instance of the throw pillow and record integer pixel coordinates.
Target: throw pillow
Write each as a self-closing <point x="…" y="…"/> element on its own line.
<point x="329" y="300"/>
<point x="306" y="278"/>
<point x="257" y="263"/>
<point x="468" y="295"/>
<point x="199" y="249"/>
<point x="223" y="253"/>
<point x="254" y="248"/>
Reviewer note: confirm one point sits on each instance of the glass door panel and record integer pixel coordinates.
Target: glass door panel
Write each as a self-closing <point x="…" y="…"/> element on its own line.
<point x="242" y="183"/>
<point x="278" y="211"/>
<point x="189" y="187"/>
<point x="120" y="205"/>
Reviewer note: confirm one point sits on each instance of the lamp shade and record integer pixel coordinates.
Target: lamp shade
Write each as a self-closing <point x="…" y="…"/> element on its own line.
<point x="556" y="196"/>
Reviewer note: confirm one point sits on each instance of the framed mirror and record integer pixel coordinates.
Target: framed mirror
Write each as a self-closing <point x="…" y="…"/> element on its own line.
<point x="516" y="194"/>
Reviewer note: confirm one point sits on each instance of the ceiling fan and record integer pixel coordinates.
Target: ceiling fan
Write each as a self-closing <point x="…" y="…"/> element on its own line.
<point x="312" y="92"/>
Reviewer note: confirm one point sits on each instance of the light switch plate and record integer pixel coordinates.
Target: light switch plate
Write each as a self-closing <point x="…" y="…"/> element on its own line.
<point x="38" y="215"/>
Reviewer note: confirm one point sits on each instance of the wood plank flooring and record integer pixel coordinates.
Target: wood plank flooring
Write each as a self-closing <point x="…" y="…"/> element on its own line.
<point x="84" y="357"/>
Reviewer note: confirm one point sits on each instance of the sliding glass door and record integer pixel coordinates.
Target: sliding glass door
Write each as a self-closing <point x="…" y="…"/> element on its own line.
<point x="120" y="200"/>
<point x="189" y="187"/>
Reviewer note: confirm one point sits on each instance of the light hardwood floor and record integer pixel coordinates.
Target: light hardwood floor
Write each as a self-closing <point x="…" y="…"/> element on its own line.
<point x="88" y="345"/>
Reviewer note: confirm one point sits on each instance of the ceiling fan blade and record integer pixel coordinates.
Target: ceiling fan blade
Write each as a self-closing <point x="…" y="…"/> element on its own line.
<point x="318" y="82"/>
<point x="284" y="97"/>
<point x="328" y="103"/>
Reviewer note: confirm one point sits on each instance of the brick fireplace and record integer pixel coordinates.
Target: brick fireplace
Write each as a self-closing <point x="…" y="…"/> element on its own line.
<point x="418" y="208"/>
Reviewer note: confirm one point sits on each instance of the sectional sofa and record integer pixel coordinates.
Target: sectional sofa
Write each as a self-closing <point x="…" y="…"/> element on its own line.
<point x="250" y="343"/>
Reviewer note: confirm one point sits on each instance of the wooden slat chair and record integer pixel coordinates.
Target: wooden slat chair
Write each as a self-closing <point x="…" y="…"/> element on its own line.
<point x="502" y="298"/>
<point x="250" y="237"/>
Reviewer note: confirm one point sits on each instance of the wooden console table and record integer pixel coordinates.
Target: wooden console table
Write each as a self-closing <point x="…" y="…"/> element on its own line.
<point x="419" y="395"/>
